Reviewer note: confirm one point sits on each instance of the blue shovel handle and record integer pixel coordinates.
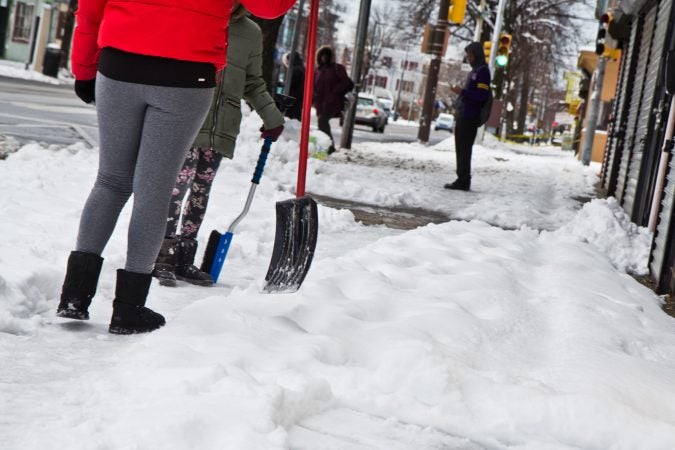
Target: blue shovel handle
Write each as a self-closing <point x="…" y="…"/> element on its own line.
<point x="262" y="159"/>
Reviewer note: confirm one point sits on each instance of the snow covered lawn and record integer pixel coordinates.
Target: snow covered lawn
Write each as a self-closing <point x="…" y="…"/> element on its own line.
<point x="464" y="335"/>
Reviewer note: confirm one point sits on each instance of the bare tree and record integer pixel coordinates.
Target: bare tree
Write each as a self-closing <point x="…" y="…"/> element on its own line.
<point x="544" y="35"/>
<point x="382" y="33"/>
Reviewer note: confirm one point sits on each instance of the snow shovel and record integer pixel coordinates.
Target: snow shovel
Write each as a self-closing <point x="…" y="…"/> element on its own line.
<point x="219" y="244"/>
<point x="294" y="244"/>
<point x="297" y="218"/>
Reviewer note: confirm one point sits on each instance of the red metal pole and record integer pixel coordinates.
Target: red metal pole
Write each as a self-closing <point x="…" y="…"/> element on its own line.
<point x="307" y="101"/>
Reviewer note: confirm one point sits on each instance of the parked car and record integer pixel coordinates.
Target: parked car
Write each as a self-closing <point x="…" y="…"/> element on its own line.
<point x="371" y="112"/>
<point x="388" y="105"/>
<point x="445" y="122"/>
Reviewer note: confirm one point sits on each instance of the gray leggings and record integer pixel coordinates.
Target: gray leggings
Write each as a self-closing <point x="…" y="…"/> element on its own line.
<point x="145" y="132"/>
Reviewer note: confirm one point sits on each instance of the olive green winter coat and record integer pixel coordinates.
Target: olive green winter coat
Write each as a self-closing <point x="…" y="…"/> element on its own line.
<point x="242" y="78"/>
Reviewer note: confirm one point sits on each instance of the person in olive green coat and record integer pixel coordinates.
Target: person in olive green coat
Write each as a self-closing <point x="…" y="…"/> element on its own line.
<point x="217" y="138"/>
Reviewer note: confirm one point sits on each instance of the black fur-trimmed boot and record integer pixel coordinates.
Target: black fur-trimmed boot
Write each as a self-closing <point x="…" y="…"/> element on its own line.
<point x="79" y="285"/>
<point x="165" y="265"/>
<point x="185" y="268"/>
<point x="130" y="316"/>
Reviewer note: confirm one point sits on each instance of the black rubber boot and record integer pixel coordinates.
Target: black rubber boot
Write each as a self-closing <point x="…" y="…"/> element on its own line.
<point x="130" y="316"/>
<point x="185" y="268"/>
<point x="165" y="265"/>
<point x="79" y="286"/>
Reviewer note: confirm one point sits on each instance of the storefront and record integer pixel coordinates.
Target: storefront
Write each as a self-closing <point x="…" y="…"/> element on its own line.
<point x="640" y="115"/>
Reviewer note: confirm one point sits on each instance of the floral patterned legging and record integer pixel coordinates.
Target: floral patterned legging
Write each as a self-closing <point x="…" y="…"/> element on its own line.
<point x="197" y="174"/>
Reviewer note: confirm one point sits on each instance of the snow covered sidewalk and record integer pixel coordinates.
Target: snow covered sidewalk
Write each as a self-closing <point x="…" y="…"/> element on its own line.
<point x="461" y="335"/>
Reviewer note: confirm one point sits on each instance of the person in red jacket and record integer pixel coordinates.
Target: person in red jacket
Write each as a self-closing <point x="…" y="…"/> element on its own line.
<point x="150" y="67"/>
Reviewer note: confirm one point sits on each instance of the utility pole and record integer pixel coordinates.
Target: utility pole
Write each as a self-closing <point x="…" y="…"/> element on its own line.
<point x="432" y="74"/>
<point x="479" y="21"/>
<point x="400" y="83"/>
<point x="294" y="47"/>
<point x="357" y="62"/>
<point x="593" y="112"/>
<point x="477" y="38"/>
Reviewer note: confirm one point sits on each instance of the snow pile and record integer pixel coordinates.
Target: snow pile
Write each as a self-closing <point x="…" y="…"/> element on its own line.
<point x="8" y="144"/>
<point x="460" y="335"/>
<point x="18" y="70"/>
<point x="606" y="226"/>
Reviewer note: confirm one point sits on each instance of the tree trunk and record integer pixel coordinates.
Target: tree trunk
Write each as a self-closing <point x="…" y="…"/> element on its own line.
<point x="524" y="101"/>
<point x="68" y="25"/>
<point x="270" y="32"/>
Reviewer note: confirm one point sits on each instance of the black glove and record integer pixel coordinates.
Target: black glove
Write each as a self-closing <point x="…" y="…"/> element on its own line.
<point x="85" y="89"/>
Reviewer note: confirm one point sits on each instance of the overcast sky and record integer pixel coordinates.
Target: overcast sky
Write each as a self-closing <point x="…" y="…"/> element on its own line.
<point x="347" y="32"/>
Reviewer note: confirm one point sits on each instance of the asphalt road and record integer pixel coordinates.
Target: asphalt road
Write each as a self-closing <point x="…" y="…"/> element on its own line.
<point x="51" y="114"/>
<point x="392" y="133"/>
<point x="34" y="111"/>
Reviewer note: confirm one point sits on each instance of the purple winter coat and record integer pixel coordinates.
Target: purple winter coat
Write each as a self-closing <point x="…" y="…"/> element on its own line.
<point x="331" y="83"/>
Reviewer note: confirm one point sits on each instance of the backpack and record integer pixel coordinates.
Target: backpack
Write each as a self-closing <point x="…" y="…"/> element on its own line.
<point x="485" y="110"/>
<point x="348" y="89"/>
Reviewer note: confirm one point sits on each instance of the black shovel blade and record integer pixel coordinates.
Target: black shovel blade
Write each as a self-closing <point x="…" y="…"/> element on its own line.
<point x="294" y="244"/>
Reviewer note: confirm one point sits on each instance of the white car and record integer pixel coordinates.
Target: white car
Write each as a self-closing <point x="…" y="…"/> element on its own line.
<point x="369" y="111"/>
<point x="445" y="122"/>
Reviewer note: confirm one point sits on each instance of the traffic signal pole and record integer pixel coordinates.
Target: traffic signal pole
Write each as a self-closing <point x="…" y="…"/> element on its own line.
<point x="594" y="102"/>
<point x="499" y="23"/>
<point x="432" y="75"/>
<point x="479" y="21"/>
<point x="593" y="112"/>
<point x="357" y="62"/>
<point x="294" y="47"/>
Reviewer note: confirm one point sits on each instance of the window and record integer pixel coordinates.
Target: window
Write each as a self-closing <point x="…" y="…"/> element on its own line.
<point x="23" y="19"/>
<point x="381" y="81"/>
<point x="409" y="65"/>
<point x="407" y="86"/>
<point x="386" y="61"/>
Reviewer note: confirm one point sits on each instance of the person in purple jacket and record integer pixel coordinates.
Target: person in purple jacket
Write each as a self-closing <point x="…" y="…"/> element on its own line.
<point x="475" y="93"/>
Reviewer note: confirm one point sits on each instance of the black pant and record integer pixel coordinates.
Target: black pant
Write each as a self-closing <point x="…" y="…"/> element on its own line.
<point x="465" y="135"/>
<point x="324" y="125"/>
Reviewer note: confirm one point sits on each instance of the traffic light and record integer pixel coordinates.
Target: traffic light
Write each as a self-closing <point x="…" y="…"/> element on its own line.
<point x="600" y="46"/>
<point x="457" y="11"/>
<point x="487" y="48"/>
<point x="605" y="44"/>
<point x="504" y="49"/>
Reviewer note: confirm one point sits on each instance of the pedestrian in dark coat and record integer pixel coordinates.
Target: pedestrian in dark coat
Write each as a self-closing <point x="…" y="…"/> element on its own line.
<point x="472" y="97"/>
<point x="295" y="67"/>
<point x="331" y="84"/>
<point x="150" y="67"/>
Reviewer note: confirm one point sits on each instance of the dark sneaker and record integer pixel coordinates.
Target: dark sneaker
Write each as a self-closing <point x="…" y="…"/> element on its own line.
<point x="458" y="185"/>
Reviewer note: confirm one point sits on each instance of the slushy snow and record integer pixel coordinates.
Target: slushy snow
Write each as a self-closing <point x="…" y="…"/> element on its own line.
<point x="515" y="326"/>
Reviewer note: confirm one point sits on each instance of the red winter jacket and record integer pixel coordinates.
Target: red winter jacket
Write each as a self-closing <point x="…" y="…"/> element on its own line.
<point x="193" y="30"/>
